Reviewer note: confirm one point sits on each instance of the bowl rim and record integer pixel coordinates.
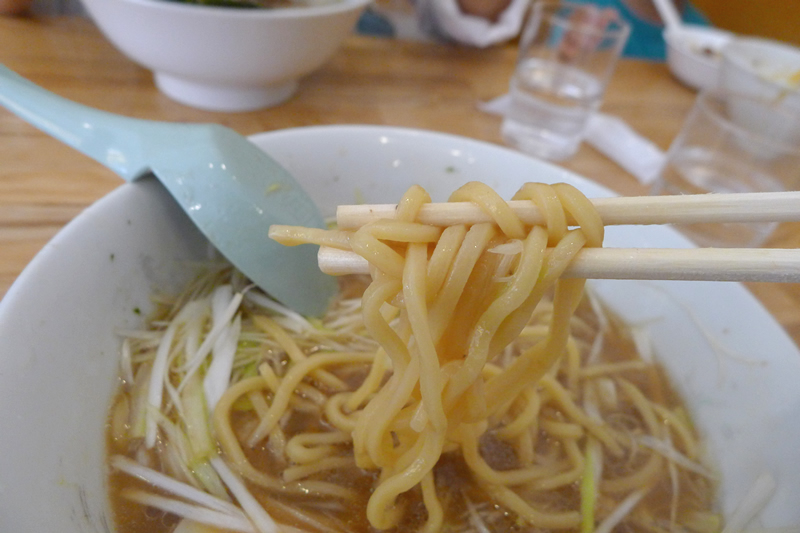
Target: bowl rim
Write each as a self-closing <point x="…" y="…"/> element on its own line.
<point x="762" y="43"/>
<point x="293" y="12"/>
<point x="739" y="51"/>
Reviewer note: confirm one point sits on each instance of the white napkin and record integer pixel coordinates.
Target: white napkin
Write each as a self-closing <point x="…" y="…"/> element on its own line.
<point x="610" y="135"/>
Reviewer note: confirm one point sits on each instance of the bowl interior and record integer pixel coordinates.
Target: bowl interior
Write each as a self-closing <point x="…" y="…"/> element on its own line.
<point x="730" y="360"/>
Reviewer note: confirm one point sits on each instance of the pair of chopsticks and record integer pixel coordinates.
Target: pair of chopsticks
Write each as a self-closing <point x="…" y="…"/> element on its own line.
<point x="701" y="264"/>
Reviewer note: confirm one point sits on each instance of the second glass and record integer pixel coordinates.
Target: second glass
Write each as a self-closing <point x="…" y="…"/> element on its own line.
<point x="733" y="143"/>
<point x="567" y="53"/>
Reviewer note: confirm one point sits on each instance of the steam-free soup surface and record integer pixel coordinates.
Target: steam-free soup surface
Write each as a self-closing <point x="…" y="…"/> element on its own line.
<point x="552" y="440"/>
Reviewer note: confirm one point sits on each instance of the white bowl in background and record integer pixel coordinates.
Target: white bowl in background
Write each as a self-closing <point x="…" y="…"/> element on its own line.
<point x="768" y="71"/>
<point x="224" y="58"/>
<point x="733" y="364"/>
<point x="694" y="54"/>
<point x="762" y="68"/>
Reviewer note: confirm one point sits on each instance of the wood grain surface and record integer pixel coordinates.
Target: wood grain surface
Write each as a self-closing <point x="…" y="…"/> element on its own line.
<point x="44" y="184"/>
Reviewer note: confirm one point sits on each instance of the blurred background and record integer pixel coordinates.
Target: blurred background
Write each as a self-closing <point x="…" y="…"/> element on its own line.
<point x="776" y="19"/>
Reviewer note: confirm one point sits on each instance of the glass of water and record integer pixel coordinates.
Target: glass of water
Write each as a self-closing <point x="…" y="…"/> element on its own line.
<point x="733" y="143"/>
<point x="567" y="54"/>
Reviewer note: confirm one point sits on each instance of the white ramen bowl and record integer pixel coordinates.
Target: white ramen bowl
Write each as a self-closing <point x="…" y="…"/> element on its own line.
<point x="734" y="365"/>
<point x="223" y="58"/>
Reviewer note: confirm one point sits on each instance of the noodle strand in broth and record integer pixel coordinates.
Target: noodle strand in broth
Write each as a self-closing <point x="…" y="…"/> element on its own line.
<point x="462" y="375"/>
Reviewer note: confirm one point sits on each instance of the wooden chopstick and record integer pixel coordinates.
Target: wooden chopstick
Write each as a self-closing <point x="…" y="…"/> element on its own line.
<point x="697" y="264"/>
<point x="682" y="209"/>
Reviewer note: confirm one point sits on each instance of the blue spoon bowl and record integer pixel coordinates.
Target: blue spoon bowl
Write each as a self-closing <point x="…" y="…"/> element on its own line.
<point x="230" y="189"/>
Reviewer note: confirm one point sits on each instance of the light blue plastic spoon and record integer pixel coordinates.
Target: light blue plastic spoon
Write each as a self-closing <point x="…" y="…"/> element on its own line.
<point x="231" y="189"/>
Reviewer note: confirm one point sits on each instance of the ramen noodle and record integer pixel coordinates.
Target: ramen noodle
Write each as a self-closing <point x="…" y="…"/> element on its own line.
<point x="462" y="386"/>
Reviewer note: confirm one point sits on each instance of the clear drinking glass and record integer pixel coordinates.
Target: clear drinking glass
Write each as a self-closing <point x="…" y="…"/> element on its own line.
<point x="733" y="143"/>
<point x="567" y="54"/>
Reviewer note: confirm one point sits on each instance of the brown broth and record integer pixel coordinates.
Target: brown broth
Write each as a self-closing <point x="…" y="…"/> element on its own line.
<point x="455" y="486"/>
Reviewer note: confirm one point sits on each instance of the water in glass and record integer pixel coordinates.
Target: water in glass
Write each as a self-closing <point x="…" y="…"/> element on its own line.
<point x="550" y="107"/>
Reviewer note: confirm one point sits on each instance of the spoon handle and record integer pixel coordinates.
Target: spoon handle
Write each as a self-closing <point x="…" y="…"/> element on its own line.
<point x="100" y="135"/>
<point x="669" y="14"/>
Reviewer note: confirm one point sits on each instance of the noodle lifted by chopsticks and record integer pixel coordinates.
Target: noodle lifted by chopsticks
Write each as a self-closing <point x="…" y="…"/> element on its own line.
<point x="460" y="300"/>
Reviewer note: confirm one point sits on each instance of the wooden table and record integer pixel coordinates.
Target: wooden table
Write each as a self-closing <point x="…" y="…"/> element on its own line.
<point x="44" y="184"/>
